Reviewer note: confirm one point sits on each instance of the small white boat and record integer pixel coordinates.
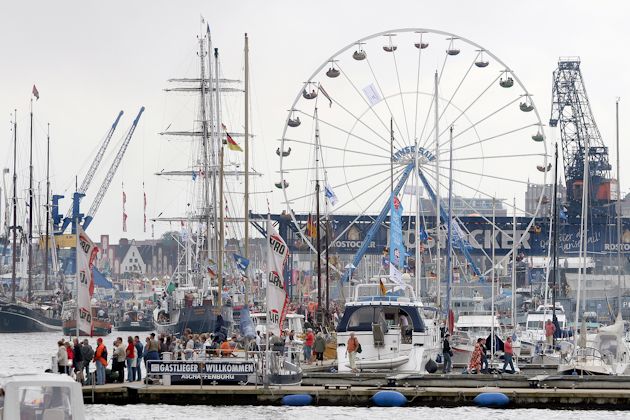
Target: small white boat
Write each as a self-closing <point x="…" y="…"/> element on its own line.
<point x="392" y="363"/>
<point x="45" y="396"/>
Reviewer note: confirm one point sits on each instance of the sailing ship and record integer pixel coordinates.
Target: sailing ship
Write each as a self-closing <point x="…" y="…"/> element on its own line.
<point x="195" y="299"/>
<point x="31" y="314"/>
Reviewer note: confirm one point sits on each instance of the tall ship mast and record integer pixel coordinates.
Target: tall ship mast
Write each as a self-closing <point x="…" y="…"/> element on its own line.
<point x="195" y="299"/>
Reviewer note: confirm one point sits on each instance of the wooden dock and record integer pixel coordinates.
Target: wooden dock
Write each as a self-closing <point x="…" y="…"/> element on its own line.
<point x="534" y="395"/>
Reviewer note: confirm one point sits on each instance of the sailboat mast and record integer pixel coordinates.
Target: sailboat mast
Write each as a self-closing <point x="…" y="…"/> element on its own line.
<point x="205" y="140"/>
<point x="317" y="235"/>
<point x="14" y="227"/>
<point x="449" y="267"/>
<point x="583" y="231"/>
<point x="47" y="208"/>
<point x="514" y="249"/>
<point x="220" y="201"/>
<point x="437" y="195"/>
<point x="246" y="198"/>
<point x="556" y="228"/>
<point x="246" y="151"/>
<point x="619" y="241"/>
<point x="30" y="212"/>
<point x="214" y="141"/>
<point x="492" y="341"/>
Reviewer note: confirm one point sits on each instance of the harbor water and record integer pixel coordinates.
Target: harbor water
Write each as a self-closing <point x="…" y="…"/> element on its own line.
<point x="32" y="352"/>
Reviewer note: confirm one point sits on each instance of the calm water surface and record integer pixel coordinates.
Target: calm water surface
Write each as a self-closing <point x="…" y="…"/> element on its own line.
<point x="32" y="352"/>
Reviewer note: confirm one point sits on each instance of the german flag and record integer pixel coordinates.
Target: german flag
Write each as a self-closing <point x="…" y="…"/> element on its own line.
<point x="381" y="288"/>
<point x="231" y="144"/>
<point x="311" y="227"/>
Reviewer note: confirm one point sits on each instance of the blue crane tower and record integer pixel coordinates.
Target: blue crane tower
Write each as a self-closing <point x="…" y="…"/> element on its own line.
<point x="571" y="111"/>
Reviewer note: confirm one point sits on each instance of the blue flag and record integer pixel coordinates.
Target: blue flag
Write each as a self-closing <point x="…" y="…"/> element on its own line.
<point x="423" y="234"/>
<point x="396" y="248"/>
<point x="241" y="262"/>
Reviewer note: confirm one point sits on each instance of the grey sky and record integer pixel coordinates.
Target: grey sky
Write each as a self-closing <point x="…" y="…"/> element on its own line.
<point x="91" y="59"/>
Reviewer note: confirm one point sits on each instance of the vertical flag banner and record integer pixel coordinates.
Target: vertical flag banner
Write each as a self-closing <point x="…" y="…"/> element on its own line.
<point x="396" y="248"/>
<point x="330" y="195"/>
<point x="86" y="255"/>
<point x="277" y="299"/>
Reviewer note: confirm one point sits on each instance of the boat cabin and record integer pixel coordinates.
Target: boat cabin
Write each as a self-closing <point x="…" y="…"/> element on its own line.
<point x="41" y="396"/>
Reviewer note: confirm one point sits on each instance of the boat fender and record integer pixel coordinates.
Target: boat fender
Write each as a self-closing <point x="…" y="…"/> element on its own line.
<point x="297" y="400"/>
<point x="491" y="399"/>
<point x="389" y="399"/>
<point x="431" y="366"/>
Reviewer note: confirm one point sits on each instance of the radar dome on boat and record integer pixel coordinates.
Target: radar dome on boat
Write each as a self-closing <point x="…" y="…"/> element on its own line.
<point x="538" y="136"/>
<point x="294" y="122"/>
<point x="359" y="55"/>
<point x="542" y="168"/>
<point x="332" y="72"/>
<point x="282" y="184"/>
<point x="421" y="45"/>
<point x="283" y="153"/>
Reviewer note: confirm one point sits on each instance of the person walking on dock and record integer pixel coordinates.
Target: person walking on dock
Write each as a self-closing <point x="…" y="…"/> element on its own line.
<point x="139" y="353"/>
<point x="507" y="354"/>
<point x="447" y="352"/>
<point x="474" y="366"/>
<point x="319" y="347"/>
<point x="352" y="347"/>
<point x="119" y="356"/>
<point x="87" y="354"/>
<point x="131" y="358"/>
<point x="308" y="345"/>
<point x="77" y="362"/>
<point x="100" y="358"/>
<point x="62" y="357"/>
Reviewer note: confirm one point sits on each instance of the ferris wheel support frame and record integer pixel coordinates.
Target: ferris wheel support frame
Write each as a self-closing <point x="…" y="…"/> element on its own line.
<point x="377" y="224"/>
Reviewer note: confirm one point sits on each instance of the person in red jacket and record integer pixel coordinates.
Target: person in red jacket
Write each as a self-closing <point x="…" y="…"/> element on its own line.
<point x="308" y="345"/>
<point x="507" y="354"/>
<point x="70" y="353"/>
<point x="100" y="358"/>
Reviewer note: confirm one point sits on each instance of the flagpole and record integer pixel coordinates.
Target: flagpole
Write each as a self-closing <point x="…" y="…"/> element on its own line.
<point x="14" y="227"/>
<point x="437" y="195"/>
<point x="30" y="212"/>
<point x="47" y="207"/>
<point x="76" y="262"/>
<point x="317" y="235"/>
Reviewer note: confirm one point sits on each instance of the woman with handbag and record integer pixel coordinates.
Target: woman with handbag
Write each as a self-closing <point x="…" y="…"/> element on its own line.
<point x="353" y="347"/>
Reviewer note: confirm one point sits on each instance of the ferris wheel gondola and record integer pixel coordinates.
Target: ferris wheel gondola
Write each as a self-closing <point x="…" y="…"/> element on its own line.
<point x="389" y="128"/>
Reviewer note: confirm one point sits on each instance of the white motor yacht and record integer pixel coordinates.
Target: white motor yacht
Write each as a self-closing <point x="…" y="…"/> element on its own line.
<point x="395" y="330"/>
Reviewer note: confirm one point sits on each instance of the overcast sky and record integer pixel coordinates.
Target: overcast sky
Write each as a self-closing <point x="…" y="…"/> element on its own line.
<point x="91" y="59"/>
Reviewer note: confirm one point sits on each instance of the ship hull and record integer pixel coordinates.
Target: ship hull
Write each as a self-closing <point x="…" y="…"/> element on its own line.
<point x="197" y="319"/>
<point x="135" y="326"/>
<point x="99" y="328"/>
<point x="19" y="319"/>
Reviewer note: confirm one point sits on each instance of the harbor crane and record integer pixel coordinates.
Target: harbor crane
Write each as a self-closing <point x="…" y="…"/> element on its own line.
<point x="85" y="184"/>
<point x="571" y="111"/>
<point x="98" y="199"/>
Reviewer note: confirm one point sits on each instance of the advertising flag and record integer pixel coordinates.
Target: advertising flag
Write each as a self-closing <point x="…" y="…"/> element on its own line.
<point x="277" y="299"/>
<point x="396" y="248"/>
<point x="86" y="255"/>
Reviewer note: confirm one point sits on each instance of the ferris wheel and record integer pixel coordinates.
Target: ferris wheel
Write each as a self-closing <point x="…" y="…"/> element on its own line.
<point x="425" y="114"/>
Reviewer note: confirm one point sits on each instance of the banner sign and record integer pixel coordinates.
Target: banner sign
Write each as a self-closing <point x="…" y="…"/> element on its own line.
<point x="396" y="247"/>
<point x="184" y="372"/>
<point x="86" y="255"/>
<point x="277" y="254"/>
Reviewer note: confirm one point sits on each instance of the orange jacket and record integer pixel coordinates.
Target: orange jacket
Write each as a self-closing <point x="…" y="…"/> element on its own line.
<point x="353" y="344"/>
<point x="98" y="355"/>
<point x="226" y="350"/>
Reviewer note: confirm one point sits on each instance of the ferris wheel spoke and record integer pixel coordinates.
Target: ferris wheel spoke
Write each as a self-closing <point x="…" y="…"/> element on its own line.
<point x="450" y="100"/>
<point x="476" y="123"/>
<point x="338" y="148"/>
<point x="344" y="184"/>
<point x="505" y="133"/>
<point x="371" y="108"/>
<point x="426" y="143"/>
<point x="377" y="197"/>
<point x="371" y="189"/>
<point x="402" y="100"/>
<point x="415" y="115"/>
<point x="482" y="157"/>
<point x="518" y="181"/>
<point x="325" y="122"/>
<point x="431" y="174"/>
<point x="395" y="122"/>
<point x="312" y="168"/>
